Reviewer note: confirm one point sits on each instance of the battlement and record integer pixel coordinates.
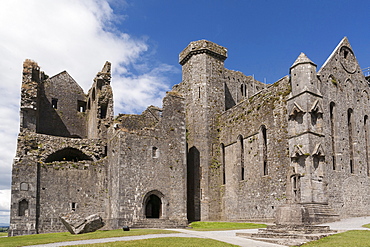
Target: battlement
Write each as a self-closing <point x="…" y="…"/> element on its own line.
<point x="202" y="46"/>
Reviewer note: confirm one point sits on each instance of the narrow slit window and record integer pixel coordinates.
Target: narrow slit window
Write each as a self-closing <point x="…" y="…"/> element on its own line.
<point x="81" y="106"/>
<point x="332" y="129"/>
<point x="350" y="139"/>
<point x="73" y="206"/>
<point x="54" y="103"/>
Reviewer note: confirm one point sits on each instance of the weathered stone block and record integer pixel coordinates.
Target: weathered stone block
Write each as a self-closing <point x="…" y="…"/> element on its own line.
<point x="75" y="224"/>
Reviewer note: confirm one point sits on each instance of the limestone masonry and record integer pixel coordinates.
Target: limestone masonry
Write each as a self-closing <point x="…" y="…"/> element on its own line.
<point x="223" y="147"/>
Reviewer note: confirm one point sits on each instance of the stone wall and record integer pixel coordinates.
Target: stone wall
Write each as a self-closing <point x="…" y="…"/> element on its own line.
<point x="150" y="162"/>
<point x="253" y="154"/>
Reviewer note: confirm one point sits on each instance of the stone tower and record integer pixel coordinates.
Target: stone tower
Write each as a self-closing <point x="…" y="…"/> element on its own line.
<point x="202" y="86"/>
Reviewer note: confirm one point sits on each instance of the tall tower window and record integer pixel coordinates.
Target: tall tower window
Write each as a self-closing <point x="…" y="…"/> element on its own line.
<point x="350" y="139"/>
<point x="332" y="129"/>
<point x="22" y="207"/>
<point x="264" y="150"/>
<point x="366" y="145"/>
<point x="241" y="156"/>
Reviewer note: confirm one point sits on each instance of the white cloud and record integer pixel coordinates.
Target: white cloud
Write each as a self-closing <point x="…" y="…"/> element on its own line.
<point x="77" y="36"/>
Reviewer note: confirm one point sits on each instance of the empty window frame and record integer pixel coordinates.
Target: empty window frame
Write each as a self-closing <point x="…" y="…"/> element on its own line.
<point x="54" y="103"/>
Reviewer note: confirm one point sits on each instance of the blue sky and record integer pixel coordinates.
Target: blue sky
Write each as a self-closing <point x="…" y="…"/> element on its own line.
<point x="263" y="37"/>
<point x="142" y="39"/>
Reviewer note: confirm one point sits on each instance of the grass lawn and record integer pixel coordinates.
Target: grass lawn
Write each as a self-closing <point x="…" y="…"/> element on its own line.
<point x="3" y="234"/>
<point x="66" y="236"/>
<point x="162" y="242"/>
<point x="367" y="225"/>
<point x="213" y="226"/>
<point x="345" y="239"/>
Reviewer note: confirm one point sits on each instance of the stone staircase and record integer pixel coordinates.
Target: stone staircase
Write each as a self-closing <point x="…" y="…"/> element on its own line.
<point x="319" y="213"/>
<point x="290" y="235"/>
<point x="159" y="223"/>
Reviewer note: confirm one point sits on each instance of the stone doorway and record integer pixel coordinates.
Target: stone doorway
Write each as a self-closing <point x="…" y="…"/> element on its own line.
<point x="153" y="207"/>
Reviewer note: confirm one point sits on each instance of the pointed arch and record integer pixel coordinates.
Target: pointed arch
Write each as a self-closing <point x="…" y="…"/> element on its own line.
<point x="67" y="154"/>
<point x="153" y="204"/>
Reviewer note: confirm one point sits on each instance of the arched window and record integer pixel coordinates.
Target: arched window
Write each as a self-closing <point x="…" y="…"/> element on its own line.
<point x="241" y="156"/>
<point x="366" y="145"/>
<point x="22" y="207"/>
<point x="264" y="149"/>
<point x="332" y="130"/>
<point x="350" y="139"/>
<point x="67" y="154"/>
<point x="93" y="94"/>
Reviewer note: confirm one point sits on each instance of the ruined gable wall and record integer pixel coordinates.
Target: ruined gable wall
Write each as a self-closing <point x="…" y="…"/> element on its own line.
<point x="142" y="169"/>
<point x="59" y="112"/>
<point x="50" y="187"/>
<point x="100" y="104"/>
<point x="239" y="87"/>
<point x="344" y="86"/>
<point x="256" y="196"/>
<point x="148" y="119"/>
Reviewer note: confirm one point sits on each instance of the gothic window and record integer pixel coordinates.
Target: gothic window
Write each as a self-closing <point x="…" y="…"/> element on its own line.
<point x="54" y="103"/>
<point x="366" y="145"/>
<point x="103" y="111"/>
<point x="332" y="129"/>
<point x="89" y="104"/>
<point x="242" y="89"/>
<point x="241" y="156"/>
<point x="22" y="207"/>
<point x="350" y="139"/>
<point x="264" y="150"/>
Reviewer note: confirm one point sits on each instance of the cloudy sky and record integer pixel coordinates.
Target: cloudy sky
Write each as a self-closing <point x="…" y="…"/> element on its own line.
<point x="142" y="40"/>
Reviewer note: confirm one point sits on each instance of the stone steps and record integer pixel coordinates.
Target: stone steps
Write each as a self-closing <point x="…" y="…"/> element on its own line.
<point x="320" y="213"/>
<point x="158" y="223"/>
<point x="289" y="234"/>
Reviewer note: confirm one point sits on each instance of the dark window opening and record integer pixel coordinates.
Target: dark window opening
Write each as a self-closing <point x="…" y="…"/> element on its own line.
<point x="199" y="93"/>
<point x="332" y="126"/>
<point x="54" y="103"/>
<point x="350" y="141"/>
<point x="155" y="152"/>
<point x="93" y="94"/>
<point x="103" y="111"/>
<point x="73" y="206"/>
<point x="241" y="156"/>
<point x="264" y="150"/>
<point x="100" y="84"/>
<point x="265" y="168"/>
<point x="22" y="207"/>
<point x="67" y="154"/>
<point x="366" y="146"/>
<point x="345" y="53"/>
<point x="89" y="104"/>
<point x="153" y="207"/>
<point x="242" y="89"/>
<point x="81" y="106"/>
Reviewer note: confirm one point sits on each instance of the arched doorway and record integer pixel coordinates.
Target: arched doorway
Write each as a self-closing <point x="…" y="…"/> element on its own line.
<point x="153" y="207"/>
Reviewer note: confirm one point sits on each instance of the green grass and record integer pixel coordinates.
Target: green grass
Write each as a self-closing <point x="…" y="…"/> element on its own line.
<point x="212" y="226"/>
<point x="66" y="236"/>
<point x="163" y="242"/>
<point x="345" y="239"/>
<point x="367" y="226"/>
<point x="3" y="234"/>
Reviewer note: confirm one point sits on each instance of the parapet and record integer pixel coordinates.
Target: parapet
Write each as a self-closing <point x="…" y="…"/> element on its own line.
<point x="202" y="46"/>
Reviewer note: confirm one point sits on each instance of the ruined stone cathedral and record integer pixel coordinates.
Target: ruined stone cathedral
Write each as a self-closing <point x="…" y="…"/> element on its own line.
<point x="223" y="147"/>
